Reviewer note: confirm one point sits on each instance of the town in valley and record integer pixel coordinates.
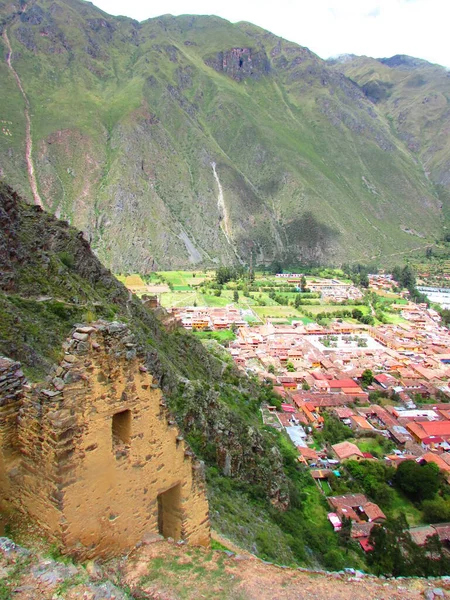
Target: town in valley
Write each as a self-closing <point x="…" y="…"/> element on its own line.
<point x="360" y="379"/>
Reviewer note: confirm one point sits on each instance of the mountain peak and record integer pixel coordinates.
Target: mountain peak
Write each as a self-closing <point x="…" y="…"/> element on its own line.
<point x="403" y="61"/>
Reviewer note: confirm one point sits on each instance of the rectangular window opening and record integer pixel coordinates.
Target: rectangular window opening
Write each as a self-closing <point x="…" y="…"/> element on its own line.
<point x="121" y="428"/>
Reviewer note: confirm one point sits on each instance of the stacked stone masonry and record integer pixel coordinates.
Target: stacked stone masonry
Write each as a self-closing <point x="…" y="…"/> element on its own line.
<point x="93" y="457"/>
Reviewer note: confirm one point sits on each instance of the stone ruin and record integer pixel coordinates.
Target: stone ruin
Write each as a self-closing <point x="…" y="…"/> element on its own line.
<point x="93" y="457"/>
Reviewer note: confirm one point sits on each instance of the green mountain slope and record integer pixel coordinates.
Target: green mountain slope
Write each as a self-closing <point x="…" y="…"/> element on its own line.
<point x="259" y="494"/>
<point x="414" y="96"/>
<point x="188" y="140"/>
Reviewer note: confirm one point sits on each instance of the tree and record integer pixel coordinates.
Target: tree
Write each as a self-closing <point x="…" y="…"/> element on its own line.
<point x="276" y="267"/>
<point x="418" y="482"/>
<point x="395" y="553"/>
<point x="357" y="313"/>
<point x="334" y="431"/>
<point x="303" y="284"/>
<point x="367" y="320"/>
<point x="345" y="532"/>
<point x="367" y="377"/>
<point x="436" y="510"/>
<point x="306" y="386"/>
<point x="235" y="296"/>
<point x="408" y="279"/>
<point x="364" y="280"/>
<point x="392" y="547"/>
<point x="290" y="367"/>
<point x="271" y="369"/>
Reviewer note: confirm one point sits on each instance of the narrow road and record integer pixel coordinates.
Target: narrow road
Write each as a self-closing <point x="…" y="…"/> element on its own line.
<point x="28" y="138"/>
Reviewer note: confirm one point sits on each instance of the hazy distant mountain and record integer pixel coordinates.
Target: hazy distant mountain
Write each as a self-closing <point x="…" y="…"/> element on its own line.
<point x="183" y="140"/>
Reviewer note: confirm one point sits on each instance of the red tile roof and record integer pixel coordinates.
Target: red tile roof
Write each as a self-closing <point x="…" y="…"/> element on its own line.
<point x="345" y="450"/>
<point x="373" y="511"/>
<point x="308" y="453"/>
<point x="343" y="383"/>
<point x="441" y="428"/>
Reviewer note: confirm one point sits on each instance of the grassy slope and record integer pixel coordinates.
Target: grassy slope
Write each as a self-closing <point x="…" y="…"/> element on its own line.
<point x="127" y="119"/>
<point x="413" y="95"/>
<point x="50" y="279"/>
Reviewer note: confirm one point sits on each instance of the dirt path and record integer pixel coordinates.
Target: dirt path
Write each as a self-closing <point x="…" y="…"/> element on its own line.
<point x="28" y="138"/>
<point x="159" y="570"/>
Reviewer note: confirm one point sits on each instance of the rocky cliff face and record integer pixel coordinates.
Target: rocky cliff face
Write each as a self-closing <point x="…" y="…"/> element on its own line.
<point x="127" y="120"/>
<point x="240" y="63"/>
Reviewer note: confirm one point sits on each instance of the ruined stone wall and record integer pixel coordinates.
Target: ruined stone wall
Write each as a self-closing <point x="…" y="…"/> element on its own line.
<point x="103" y="462"/>
<point x="12" y="382"/>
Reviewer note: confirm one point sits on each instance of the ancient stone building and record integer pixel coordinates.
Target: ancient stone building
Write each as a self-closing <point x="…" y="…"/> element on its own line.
<point x="93" y="456"/>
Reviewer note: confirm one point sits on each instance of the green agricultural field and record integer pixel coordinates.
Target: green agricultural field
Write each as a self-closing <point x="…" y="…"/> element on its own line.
<point x="329" y="308"/>
<point x="277" y="312"/>
<point x="395" y="319"/>
<point x="184" y="280"/>
<point x="223" y="335"/>
<point x="211" y="300"/>
<point x="170" y="299"/>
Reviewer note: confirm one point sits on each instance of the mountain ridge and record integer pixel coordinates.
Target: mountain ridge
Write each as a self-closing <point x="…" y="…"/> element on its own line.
<point x="127" y="119"/>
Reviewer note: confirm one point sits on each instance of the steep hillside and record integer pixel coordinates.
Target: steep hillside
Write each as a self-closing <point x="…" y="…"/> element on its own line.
<point x="258" y="493"/>
<point x="414" y="96"/>
<point x="188" y="140"/>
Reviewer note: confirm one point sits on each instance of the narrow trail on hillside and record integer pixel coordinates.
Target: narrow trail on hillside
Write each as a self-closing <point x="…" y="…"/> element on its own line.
<point x="28" y="138"/>
<point x="223" y="212"/>
<point x="407" y="251"/>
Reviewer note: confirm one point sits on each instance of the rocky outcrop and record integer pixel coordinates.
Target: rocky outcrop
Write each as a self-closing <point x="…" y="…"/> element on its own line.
<point x="240" y="63"/>
<point x="238" y="449"/>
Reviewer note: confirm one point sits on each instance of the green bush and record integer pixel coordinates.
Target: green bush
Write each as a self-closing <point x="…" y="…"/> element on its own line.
<point x="67" y="259"/>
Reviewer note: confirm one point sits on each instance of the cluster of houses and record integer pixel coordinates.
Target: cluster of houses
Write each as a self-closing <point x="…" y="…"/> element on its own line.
<point x="330" y="290"/>
<point x="409" y="362"/>
<point x="207" y="317"/>
<point x="323" y="369"/>
<point x="381" y="282"/>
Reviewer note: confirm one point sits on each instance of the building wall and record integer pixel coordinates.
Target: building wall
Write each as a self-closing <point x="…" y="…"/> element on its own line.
<point x="97" y="483"/>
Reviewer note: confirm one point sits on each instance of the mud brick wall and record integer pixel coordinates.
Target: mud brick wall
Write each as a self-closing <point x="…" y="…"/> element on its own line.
<point x="102" y="461"/>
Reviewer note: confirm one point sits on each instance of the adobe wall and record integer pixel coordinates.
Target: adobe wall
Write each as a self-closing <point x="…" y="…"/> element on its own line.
<point x="93" y="492"/>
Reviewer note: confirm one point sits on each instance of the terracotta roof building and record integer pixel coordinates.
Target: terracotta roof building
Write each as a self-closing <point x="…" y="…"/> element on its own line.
<point x="347" y="450"/>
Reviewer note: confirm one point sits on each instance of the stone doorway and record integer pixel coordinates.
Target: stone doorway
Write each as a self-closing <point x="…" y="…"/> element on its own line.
<point x="169" y="513"/>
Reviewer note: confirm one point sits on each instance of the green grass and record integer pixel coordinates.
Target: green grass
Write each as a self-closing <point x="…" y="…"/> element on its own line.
<point x="215" y="545"/>
<point x="326" y="487"/>
<point x="222" y="335"/>
<point x="395" y="319"/>
<point x="373" y="446"/>
<point x="401" y="504"/>
<point x="277" y="311"/>
<point x="195" y="574"/>
<point x="211" y="300"/>
<point x="328" y="308"/>
<point x="169" y="299"/>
